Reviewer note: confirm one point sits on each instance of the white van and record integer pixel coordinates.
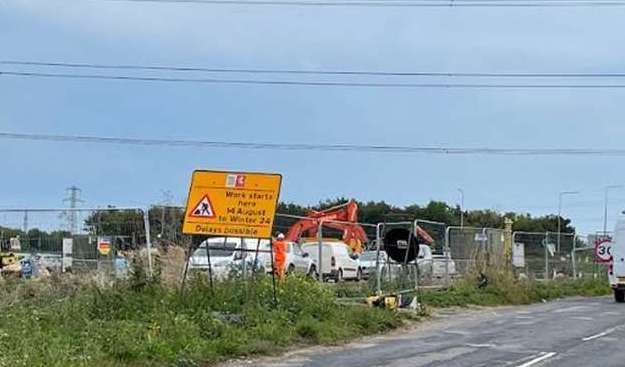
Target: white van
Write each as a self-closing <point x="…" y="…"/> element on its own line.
<point x="616" y="273"/>
<point x="338" y="260"/>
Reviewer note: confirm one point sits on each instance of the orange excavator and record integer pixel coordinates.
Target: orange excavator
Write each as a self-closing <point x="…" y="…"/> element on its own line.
<point x="342" y="217"/>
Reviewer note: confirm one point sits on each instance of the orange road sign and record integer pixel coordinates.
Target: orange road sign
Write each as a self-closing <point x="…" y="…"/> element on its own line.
<point x="232" y="204"/>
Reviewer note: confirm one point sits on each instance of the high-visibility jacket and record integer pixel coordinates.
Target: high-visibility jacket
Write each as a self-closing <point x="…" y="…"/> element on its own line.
<point x="279" y="250"/>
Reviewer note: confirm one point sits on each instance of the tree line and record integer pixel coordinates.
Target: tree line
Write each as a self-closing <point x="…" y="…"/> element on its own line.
<point x="166" y="222"/>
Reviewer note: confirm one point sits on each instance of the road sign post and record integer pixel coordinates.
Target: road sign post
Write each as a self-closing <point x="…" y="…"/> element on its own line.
<point x="232" y="204"/>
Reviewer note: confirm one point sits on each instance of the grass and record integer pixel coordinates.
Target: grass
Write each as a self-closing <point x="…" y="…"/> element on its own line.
<point x="71" y="321"/>
<point x="464" y="293"/>
<point x="502" y="289"/>
<point x="64" y="322"/>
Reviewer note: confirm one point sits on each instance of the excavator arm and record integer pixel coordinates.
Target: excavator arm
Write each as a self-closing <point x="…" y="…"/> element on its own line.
<point x="343" y="217"/>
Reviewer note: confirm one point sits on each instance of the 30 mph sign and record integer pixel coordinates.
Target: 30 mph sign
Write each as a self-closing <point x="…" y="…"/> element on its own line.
<point x="603" y="251"/>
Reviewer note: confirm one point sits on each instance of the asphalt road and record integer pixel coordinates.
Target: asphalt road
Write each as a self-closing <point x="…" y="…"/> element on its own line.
<point x="573" y="332"/>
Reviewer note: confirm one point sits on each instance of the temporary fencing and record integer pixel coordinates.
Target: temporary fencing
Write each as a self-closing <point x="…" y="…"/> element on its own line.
<point x="559" y="248"/>
<point x="474" y="249"/>
<point x="583" y="261"/>
<point x="98" y="239"/>
<point x="530" y="254"/>
<point x="78" y="239"/>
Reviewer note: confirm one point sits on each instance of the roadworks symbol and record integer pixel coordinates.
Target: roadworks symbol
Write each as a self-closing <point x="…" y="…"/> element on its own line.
<point x="203" y="209"/>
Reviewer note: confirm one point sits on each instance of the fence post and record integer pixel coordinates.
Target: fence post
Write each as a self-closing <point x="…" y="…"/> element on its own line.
<point x="508" y="243"/>
<point x="546" y="245"/>
<point x="513" y="239"/>
<point x="378" y="271"/>
<point x="320" y="241"/>
<point x="573" y="256"/>
<point x="148" y="242"/>
<point x="447" y="254"/>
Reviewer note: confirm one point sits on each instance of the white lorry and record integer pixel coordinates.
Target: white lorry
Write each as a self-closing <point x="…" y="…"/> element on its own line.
<point x="616" y="272"/>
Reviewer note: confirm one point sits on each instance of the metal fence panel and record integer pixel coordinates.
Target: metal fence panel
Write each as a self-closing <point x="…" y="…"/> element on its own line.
<point x="40" y="235"/>
<point x="533" y="261"/>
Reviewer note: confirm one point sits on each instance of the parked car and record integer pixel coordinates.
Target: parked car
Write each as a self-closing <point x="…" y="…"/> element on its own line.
<point x="297" y="261"/>
<point x="227" y="259"/>
<point x="225" y="255"/>
<point x="338" y="260"/>
<point x="51" y="262"/>
<point x="435" y="266"/>
<point x="369" y="260"/>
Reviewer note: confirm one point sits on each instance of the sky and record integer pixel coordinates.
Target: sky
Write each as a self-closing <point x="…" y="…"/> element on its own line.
<point x="36" y="174"/>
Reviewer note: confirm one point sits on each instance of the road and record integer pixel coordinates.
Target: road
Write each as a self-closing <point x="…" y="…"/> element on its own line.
<point x="578" y="332"/>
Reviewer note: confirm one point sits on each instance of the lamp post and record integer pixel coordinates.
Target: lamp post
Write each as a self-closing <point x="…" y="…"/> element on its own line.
<point x="605" y="206"/>
<point x="563" y="193"/>
<point x="461" y="207"/>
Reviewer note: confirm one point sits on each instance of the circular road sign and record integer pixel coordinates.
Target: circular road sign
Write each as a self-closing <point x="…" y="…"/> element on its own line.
<point x="603" y="251"/>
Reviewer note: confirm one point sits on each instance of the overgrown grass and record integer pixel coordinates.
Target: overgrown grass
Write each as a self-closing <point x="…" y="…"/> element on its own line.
<point x="502" y="289"/>
<point x="71" y="321"/>
<point x="63" y="322"/>
<point x="513" y="292"/>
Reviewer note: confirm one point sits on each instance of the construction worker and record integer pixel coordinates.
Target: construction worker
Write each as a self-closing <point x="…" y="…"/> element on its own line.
<point x="279" y="255"/>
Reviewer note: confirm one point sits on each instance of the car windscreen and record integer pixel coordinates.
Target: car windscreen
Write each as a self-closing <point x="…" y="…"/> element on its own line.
<point x="370" y="256"/>
<point x="218" y="249"/>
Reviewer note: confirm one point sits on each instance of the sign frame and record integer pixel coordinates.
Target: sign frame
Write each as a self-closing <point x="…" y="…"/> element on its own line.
<point x="234" y="181"/>
<point x="599" y="258"/>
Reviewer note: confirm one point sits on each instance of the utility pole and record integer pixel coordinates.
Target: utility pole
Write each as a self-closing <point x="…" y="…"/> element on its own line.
<point x="461" y="207"/>
<point x="560" y="213"/>
<point x="605" y="207"/>
<point x="73" y="199"/>
<point x="25" y="221"/>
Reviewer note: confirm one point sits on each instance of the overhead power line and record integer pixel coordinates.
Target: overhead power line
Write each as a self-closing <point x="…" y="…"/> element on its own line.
<point x="315" y="147"/>
<point x="403" y="4"/>
<point x="311" y="83"/>
<point x="310" y="72"/>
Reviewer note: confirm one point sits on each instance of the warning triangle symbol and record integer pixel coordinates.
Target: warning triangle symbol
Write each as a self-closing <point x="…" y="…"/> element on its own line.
<point x="203" y="209"/>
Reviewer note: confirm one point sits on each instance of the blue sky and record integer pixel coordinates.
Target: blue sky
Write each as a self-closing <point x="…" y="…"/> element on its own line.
<point x="388" y="39"/>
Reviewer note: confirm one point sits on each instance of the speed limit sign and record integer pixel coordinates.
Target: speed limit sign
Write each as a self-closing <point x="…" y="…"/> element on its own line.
<point x="603" y="251"/>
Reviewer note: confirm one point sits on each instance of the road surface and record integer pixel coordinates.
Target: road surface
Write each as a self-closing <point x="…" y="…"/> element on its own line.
<point x="578" y="332"/>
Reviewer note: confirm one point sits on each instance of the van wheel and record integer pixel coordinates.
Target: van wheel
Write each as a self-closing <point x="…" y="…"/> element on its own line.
<point x="619" y="295"/>
<point x="359" y="275"/>
<point x="312" y="273"/>
<point x="339" y="276"/>
<point x="291" y="269"/>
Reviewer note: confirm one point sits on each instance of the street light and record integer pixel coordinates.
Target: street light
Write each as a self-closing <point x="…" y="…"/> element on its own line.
<point x="560" y="211"/>
<point x="605" y="207"/>
<point x="461" y="207"/>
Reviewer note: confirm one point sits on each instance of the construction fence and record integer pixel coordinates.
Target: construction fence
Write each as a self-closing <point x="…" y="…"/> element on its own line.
<point x="113" y="240"/>
<point x="108" y="240"/>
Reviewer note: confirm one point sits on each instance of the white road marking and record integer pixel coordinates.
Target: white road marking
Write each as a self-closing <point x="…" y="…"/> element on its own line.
<point x="481" y="345"/>
<point x="571" y="309"/>
<point x="524" y="323"/>
<point x="596" y="336"/>
<point x="538" y="359"/>
<point x="583" y="318"/>
<point x="525" y="317"/>
<point x="610" y="313"/>
<point x="457" y="332"/>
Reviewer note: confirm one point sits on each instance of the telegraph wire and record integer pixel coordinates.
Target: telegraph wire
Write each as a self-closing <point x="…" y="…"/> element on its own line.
<point x="71" y="65"/>
<point x="310" y="83"/>
<point x="440" y="150"/>
<point x="390" y="4"/>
